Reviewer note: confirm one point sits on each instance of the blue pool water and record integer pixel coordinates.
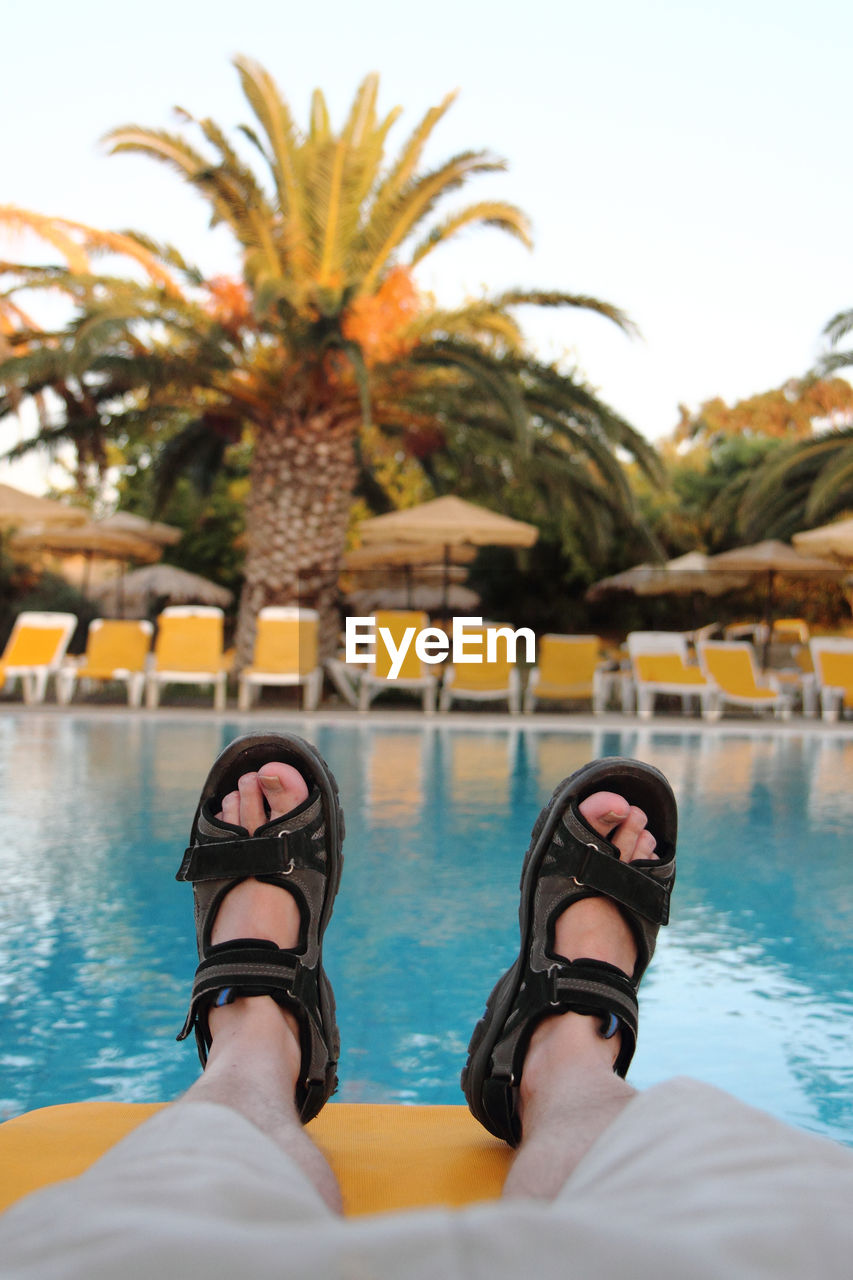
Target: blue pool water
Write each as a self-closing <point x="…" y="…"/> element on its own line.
<point x="751" y="989"/>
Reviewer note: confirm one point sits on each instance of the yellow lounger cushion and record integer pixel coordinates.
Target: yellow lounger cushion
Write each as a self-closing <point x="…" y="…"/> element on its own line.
<point x="33" y="646"/>
<point x="284" y="647"/>
<point x="114" y="644"/>
<point x="582" y="689"/>
<point x="385" y="1157"/>
<point x="733" y="672"/>
<point x="667" y="668"/>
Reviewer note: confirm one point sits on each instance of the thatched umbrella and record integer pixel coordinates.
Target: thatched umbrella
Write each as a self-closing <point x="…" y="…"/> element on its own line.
<point x="685" y="575"/>
<point x="829" y="540"/>
<point x="366" y="600"/>
<point x="140" y="588"/>
<point x="389" y="566"/>
<point x="18" y="509"/>
<point x="766" y="560"/>
<point x="89" y="539"/>
<point x="449" y="523"/>
<point x="92" y="540"/>
<point x="165" y="535"/>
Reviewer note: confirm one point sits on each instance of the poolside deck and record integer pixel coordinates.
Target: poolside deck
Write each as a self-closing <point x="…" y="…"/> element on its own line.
<point x="404" y="717"/>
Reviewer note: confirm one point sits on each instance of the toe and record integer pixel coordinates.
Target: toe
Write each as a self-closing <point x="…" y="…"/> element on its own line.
<point x="252" y="811"/>
<point x="230" y="811"/>
<point x="604" y="810"/>
<point x="283" y="786"/>
<point x="624" y="824"/>
<point x="631" y="837"/>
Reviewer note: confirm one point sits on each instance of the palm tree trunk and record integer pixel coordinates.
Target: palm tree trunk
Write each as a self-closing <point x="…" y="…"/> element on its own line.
<point x="302" y="479"/>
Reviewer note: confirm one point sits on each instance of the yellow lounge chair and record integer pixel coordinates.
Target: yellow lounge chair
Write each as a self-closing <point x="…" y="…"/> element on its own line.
<point x="569" y="669"/>
<point x="34" y="651"/>
<point x="285" y="654"/>
<point x="483" y="681"/>
<point x="116" y="649"/>
<point x="369" y="1146"/>
<point x="188" y="650"/>
<point x="414" y="675"/>
<point x="790" y="631"/>
<point x="731" y="666"/>
<point x="833" y="666"/>
<point x="659" y="665"/>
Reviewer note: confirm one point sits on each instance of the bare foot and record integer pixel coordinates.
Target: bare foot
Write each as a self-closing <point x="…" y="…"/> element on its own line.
<point x="253" y="909"/>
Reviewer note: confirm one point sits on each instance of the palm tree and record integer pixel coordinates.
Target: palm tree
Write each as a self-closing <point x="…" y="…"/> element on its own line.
<point x="324" y="331"/>
<point x="801" y="485"/>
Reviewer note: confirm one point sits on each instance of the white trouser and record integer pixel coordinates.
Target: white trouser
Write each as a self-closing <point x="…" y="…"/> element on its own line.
<point x="686" y="1184"/>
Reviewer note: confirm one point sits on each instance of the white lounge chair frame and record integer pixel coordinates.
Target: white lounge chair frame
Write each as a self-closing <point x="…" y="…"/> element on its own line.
<point x="780" y="704"/>
<point x="831" y="696"/>
<point x="646" y="691"/>
<point x="157" y="677"/>
<point x="250" y="682"/>
<point x="511" y="694"/>
<point x="370" y="685"/>
<point x="603" y="682"/>
<point x="69" y="673"/>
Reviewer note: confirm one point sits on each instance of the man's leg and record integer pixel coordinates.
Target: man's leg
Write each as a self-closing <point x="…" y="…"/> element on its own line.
<point x="255" y="1057"/>
<point x="569" y="1093"/>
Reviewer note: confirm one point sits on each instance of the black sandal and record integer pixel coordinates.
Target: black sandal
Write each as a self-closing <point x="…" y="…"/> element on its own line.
<point x="567" y="861"/>
<point x="301" y="852"/>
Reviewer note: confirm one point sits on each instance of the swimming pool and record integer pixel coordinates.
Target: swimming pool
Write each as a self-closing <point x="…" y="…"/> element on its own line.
<point x="751" y="988"/>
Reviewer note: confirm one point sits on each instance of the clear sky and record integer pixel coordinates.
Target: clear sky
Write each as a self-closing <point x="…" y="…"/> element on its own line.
<point x="690" y="162"/>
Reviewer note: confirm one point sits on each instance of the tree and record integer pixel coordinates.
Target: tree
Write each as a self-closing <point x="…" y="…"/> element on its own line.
<point x="789" y="412"/>
<point x="325" y="332"/>
<point x="810" y="481"/>
<point x="699" y="507"/>
<point x="801" y="486"/>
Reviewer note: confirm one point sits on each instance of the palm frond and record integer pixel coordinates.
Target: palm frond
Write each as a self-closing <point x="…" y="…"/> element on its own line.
<point x="274" y="116"/>
<point x="414" y="204"/>
<point x="832" y="490"/>
<point x="403" y="171"/>
<point x="839" y="326"/>
<point x="492" y="213"/>
<point x="549" y="298"/>
<point x="320" y="126"/>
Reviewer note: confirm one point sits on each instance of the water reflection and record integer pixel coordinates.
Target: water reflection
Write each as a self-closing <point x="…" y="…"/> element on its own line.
<point x="751" y="989"/>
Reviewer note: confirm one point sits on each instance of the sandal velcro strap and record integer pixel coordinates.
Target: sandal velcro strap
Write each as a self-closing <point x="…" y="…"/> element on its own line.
<point x="591" y="987"/>
<point x="252" y="966"/>
<point x="594" y="864"/>
<point x="584" y="986"/>
<point x="258" y="856"/>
